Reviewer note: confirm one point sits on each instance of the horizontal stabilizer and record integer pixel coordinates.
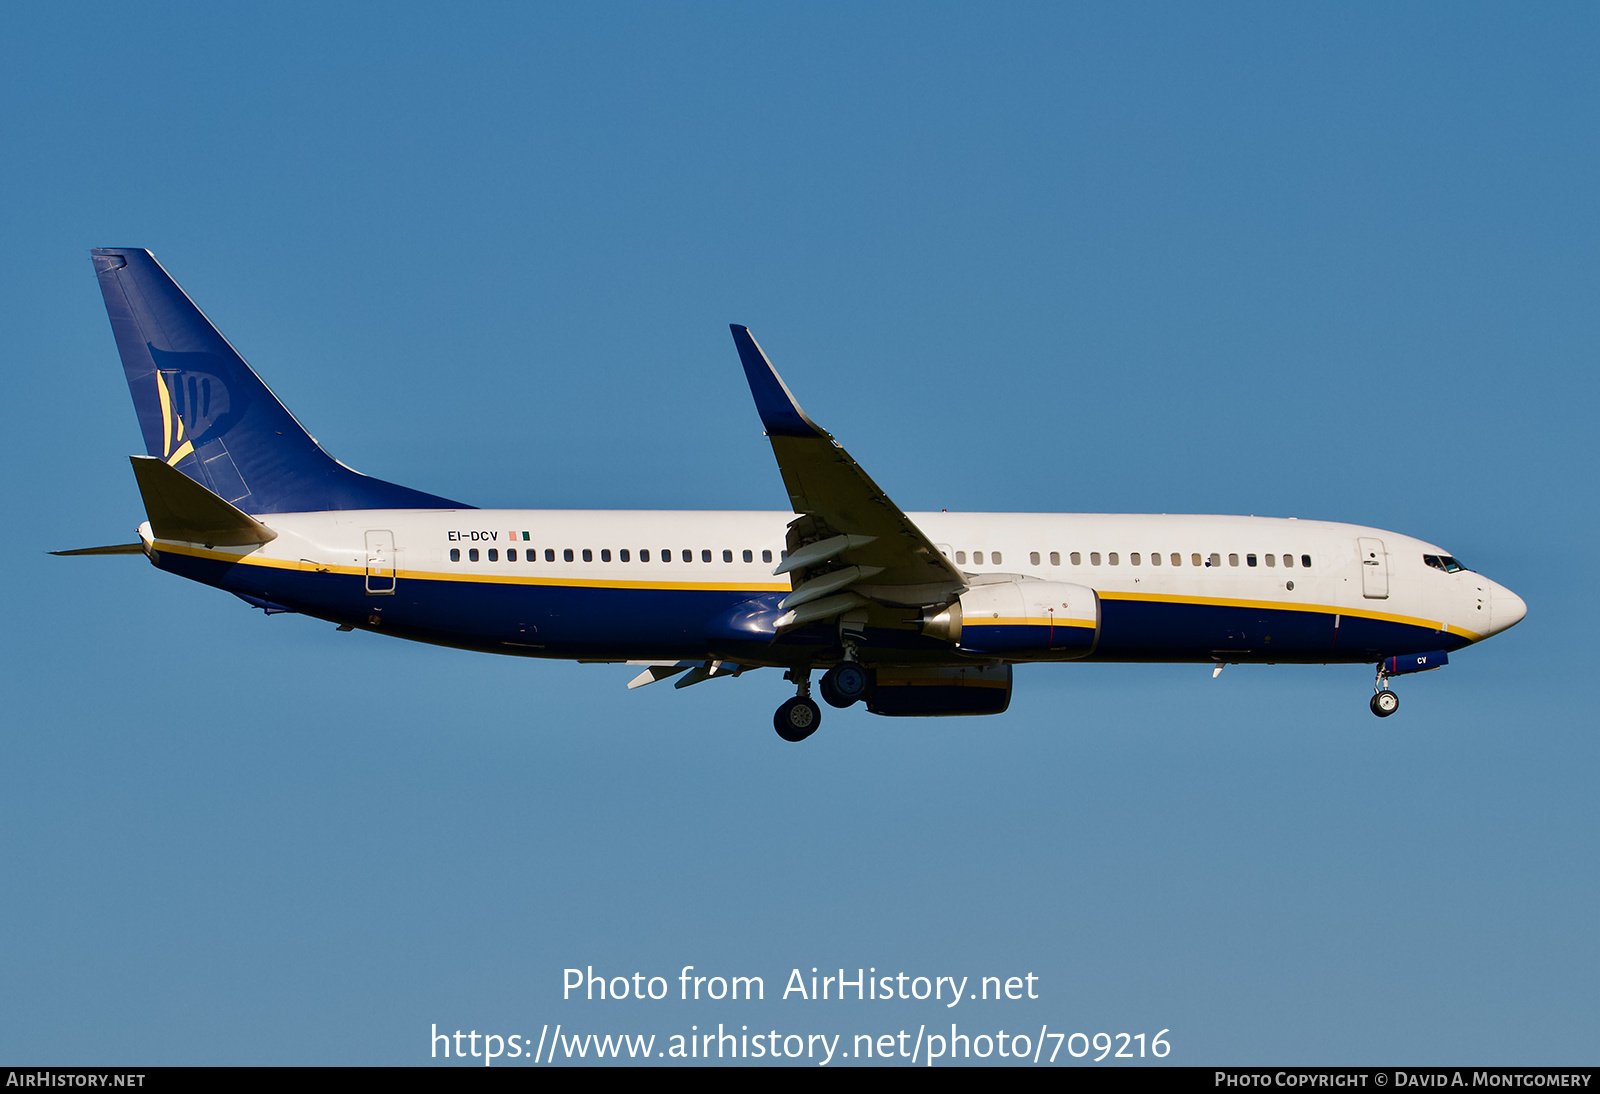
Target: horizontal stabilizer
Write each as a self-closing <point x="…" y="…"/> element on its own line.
<point x="659" y="670"/>
<point x="268" y="606"/>
<point x="182" y="510"/>
<point x="114" y="549"/>
<point x="697" y="671"/>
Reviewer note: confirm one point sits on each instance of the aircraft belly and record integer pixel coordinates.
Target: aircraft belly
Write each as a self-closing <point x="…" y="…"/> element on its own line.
<point x="1142" y="630"/>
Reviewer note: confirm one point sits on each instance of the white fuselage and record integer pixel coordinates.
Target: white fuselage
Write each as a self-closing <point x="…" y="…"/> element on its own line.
<point x="1226" y="561"/>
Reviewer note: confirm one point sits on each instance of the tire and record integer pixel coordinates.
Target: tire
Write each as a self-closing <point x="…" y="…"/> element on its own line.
<point x="797" y="719"/>
<point x="1385" y="703"/>
<point x="845" y="684"/>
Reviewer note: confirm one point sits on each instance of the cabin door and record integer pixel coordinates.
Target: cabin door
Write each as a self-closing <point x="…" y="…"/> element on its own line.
<point x="380" y="563"/>
<point x="1374" y="569"/>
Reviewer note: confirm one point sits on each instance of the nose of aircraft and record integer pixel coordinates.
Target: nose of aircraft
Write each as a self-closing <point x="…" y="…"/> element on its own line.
<point x="1506" y="608"/>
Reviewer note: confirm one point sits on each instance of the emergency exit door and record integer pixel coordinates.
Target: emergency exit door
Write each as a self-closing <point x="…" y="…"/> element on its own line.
<point x="1374" y="569"/>
<point x="380" y="563"/>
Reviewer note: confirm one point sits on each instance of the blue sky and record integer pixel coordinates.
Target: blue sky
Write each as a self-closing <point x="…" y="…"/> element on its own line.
<point x="1335" y="262"/>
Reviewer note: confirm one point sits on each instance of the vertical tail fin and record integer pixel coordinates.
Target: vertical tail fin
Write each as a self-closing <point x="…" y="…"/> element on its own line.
<point x="204" y="411"/>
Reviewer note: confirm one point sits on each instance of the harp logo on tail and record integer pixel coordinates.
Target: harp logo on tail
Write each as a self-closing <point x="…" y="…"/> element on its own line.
<point x="200" y="401"/>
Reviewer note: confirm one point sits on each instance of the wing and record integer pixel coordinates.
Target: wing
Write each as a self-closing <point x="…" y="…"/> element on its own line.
<point x="849" y="543"/>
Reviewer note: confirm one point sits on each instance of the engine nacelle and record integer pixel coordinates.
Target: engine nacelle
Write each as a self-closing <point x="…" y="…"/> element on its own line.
<point x="1022" y="619"/>
<point x="902" y="691"/>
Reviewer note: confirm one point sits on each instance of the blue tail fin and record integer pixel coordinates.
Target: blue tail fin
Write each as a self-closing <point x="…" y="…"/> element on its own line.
<point x="206" y="413"/>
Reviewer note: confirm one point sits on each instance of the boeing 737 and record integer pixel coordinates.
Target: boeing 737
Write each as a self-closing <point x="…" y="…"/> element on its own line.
<point x="908" y="613"/>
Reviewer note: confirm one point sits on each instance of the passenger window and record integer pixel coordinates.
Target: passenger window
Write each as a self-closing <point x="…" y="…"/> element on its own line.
<point x="1305" y="560"/>
<point x="1271" y="560"/>
<point x="1177" y="559"/>
<point x="977" y="558"/>
<point x="666" y="556"/>
<point x="1133" y="559"/>
<point x="1233" y="560"/>
<point x="567" y="554"/>
<point x="622" y="556"/>
<point x="1033" y="558"/>
<point x="1077" y="558"/>
<point x="1216" y="559"/>
<point x="994" y="558"/>
<point x="1112" y="558"/>
<point x="1195" y="560"/>
<point x="1155" y="558"/>
<point x="688" y="555"/>
<point x="494" y="555"/>
<point x="766" y="556"/>
<point x="549" y="554"/>
<point x="605" y="554"/>
<point x="705" y="556"/>
<point x="588" y="555"/>
<point x="727" y="556"/>
<point x="961" y="557"/>
<point x="472" y="554"/>
<point x="782" y="555"/>
<point x="511" y="554"/>
<point x="1094" y="558"/>
<point x="748" y="557"/>
<point x="1288" y="562"/>
<point x="1249" y="560"/>
<point x="644" y="554"/>
<point x="455" y="554"/>
<point x="1055" y="558"/>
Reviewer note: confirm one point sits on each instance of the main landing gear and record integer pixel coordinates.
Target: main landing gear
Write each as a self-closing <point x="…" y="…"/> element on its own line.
<point x="1384" y="702"/>
<point x="846" y="684"/>
<point x="798" y="718"/>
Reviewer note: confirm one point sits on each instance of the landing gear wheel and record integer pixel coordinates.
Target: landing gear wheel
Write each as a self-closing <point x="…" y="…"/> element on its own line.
<point x="1385" y="703"/>
<point x="797" y="719"/>
<point x="845" y="684"/>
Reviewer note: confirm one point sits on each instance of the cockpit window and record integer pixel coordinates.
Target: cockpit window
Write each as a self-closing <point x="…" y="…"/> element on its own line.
<point x="1443" y="562"/>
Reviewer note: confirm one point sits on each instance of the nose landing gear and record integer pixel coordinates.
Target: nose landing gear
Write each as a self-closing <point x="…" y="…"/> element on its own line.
<point x="798" y="718"/>
<point x="1384" y="702"/>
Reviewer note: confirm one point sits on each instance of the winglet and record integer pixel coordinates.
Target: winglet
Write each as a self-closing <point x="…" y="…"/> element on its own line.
<point x="181" y="509"/>
<point x="780" y="414"/>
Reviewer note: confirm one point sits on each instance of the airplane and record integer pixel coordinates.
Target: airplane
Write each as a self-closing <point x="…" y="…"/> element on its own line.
<point x="910" y="614"/>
